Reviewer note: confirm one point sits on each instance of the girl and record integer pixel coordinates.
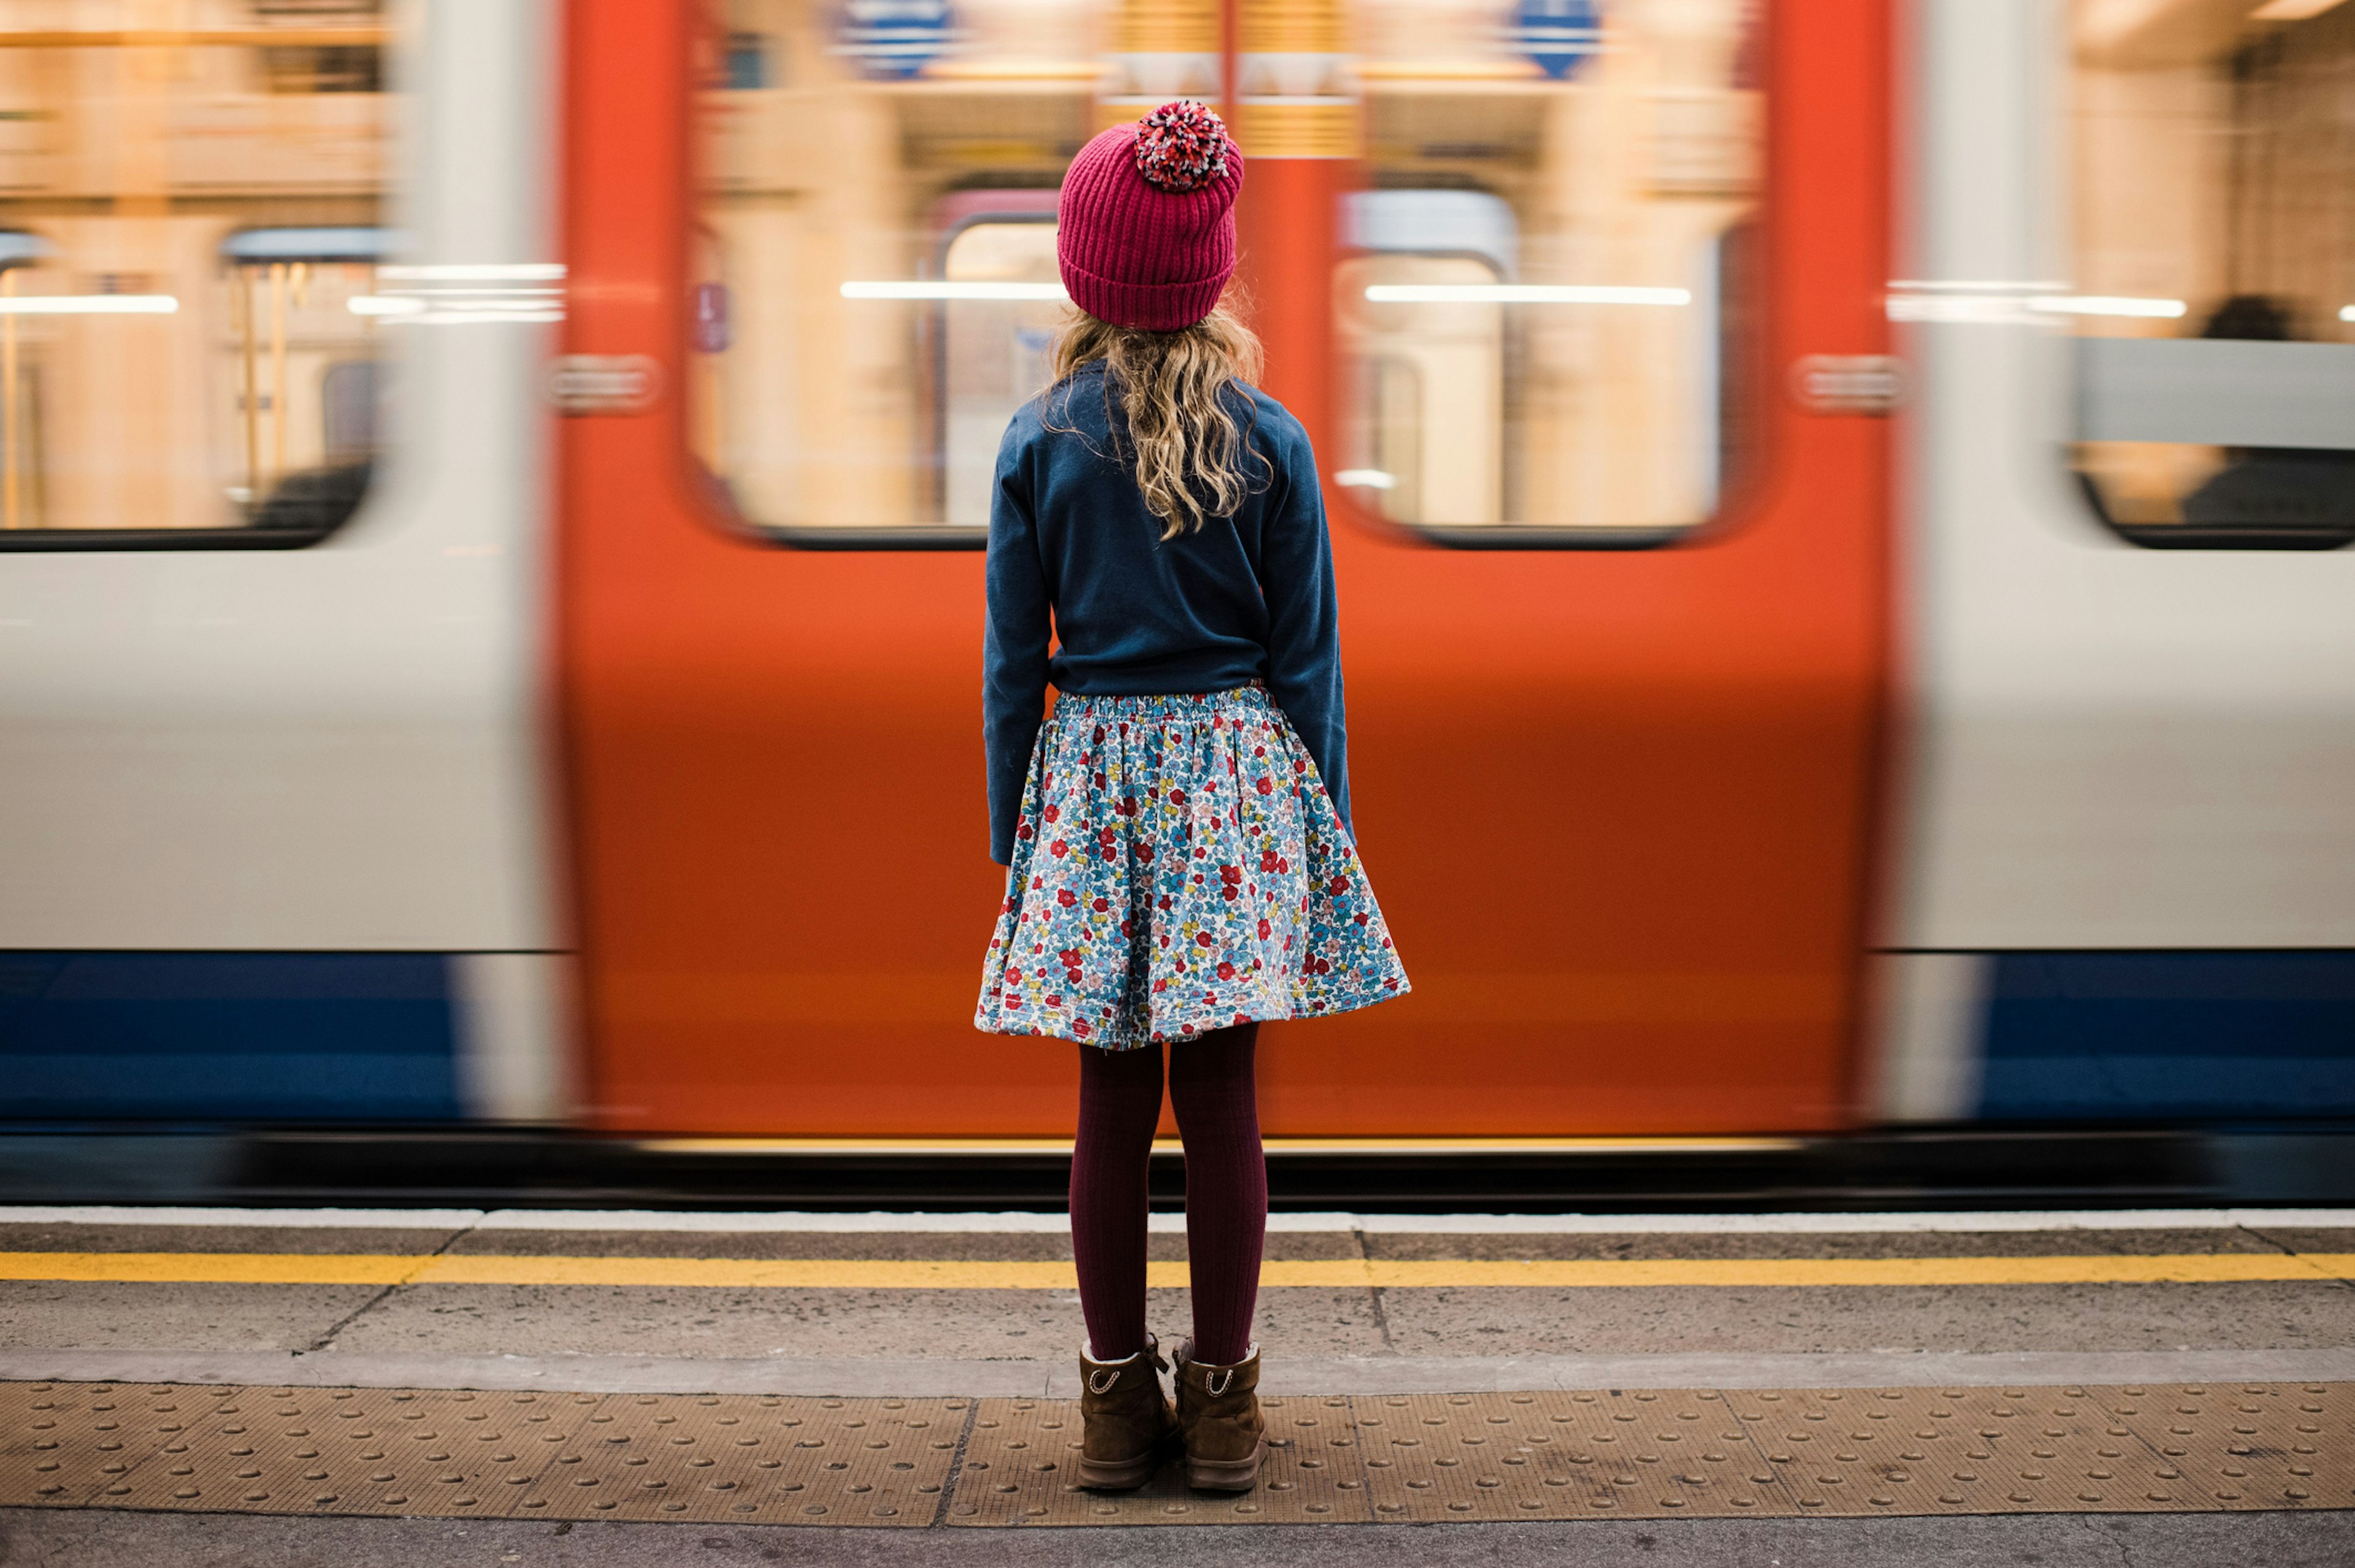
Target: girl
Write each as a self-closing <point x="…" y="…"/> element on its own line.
<point x="1177" y="831"/>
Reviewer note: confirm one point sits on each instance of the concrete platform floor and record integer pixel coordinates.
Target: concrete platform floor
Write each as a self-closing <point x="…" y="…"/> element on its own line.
<point x="33" y="1538"/>
<point x="992" y="1341"/>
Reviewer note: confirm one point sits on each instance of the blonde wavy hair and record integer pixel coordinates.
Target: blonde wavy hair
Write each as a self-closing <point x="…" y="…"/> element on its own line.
<point x="1190" y="452"/>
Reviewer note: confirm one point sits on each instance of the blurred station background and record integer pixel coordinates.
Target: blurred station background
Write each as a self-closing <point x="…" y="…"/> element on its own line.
<point x="1839" y="508"/>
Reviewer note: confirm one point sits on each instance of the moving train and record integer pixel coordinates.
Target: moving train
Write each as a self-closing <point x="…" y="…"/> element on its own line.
<point x="1839" y="507"/>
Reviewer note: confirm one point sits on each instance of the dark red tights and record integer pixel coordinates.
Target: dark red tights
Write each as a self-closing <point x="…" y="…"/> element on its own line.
<point x="1213" y="1091"/>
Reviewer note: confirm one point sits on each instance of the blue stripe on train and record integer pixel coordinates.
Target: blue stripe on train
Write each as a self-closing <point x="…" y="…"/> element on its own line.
<point x="2170" y="1035"/>
<point x="242" y="1036"/>
<point x="373" y="1036"/>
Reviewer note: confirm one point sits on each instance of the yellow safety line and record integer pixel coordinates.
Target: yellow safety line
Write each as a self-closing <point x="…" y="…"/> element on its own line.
<point x="1349" y="1273"/>
<point x="788" y="1273"/>
<point x="213" y="1268"/>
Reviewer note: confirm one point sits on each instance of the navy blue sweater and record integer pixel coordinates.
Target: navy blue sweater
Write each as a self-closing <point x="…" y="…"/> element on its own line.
<point x="1072" y="550"/>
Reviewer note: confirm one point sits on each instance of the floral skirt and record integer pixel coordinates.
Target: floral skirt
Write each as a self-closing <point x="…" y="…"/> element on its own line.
<point x="1178" y="869"/>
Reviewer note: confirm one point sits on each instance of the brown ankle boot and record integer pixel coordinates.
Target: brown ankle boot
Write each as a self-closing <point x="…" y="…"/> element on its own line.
<point x="1127" y="1423"/>
<point x="1217" y="1413"/>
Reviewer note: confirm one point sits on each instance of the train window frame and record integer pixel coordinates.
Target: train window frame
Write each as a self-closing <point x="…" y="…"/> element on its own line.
<point x="1746" y="382"/>
<point x="733" y="519"/>
<point x="1744" y="430"/>
<point x="2096" y="387"/>
<point x="718" y="501"/>
<point x="1040" y="213"/>
<point x="240" y="249"/>
<point x="2122" y="383"/>
<point x="249" y="534"/>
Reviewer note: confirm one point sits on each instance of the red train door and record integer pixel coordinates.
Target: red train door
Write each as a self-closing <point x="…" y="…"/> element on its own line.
<point x="1616" y="801"/>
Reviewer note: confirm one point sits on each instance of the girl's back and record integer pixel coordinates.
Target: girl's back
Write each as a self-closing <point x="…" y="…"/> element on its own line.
<point x="1241" y="598"/>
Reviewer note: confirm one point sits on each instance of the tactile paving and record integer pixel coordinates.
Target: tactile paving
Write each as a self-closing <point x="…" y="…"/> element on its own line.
<point x="1655" y="1453"/>
<point x="1929" y="1451"/>
<point x="445" y="1453"/>
<point x="68" y="1443"/>
<point x="1425" y="1458"/>
<point x="2247" y="1446"/>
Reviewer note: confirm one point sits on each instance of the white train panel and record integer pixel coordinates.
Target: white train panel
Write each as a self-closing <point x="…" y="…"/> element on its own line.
<point x="2114" y="746"/>
<point x="337" y="747"/>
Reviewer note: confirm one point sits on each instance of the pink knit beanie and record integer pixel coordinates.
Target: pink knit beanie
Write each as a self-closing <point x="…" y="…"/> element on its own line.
<point x="1147" y="234"/>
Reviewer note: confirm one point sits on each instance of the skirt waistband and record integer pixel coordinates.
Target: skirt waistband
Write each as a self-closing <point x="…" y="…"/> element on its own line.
<point x="1252" y="698"/>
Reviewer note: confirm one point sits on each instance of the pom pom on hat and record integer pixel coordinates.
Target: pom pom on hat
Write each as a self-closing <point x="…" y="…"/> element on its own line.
<point x="1181" y="146"/>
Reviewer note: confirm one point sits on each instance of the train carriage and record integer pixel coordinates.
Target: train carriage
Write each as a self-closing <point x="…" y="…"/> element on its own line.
<point x="1840" y="510"/>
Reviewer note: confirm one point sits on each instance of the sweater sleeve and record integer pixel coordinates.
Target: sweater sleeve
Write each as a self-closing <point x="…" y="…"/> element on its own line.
<point x="1014" y="648"/>
<point x="1303" y="650"/>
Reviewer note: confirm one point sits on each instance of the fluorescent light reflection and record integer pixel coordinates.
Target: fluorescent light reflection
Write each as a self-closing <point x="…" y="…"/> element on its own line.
<point x="483" y="318"/>
<point x="88" y="304"/>
<point x="943" y="288"/>
<point x="1366" y="479"/>
<point x="1974" y="286"/>
<point x="2108" y="304"/>
<point x="462" y="306"/>
<point x="1521" y="293"/>
<point x="474" y="272"/>
<point x="1985" y="310"/>
<point x="2014" y="304"/>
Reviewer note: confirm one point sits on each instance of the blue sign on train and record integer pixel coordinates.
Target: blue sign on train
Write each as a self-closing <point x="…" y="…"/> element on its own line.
<point x="1558" y="36"/>
<point x="895" y="39"/>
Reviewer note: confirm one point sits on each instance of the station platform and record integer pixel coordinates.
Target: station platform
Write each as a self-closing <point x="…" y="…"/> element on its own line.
<point x="595" y="1386"/>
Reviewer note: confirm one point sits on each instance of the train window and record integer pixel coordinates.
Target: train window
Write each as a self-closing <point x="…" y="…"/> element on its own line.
<point x="1536" y="295"/>
<point x="876" y="203"/>
<point x="301" y="361"/>
<point x="2214" y="297"/>
<point x="189" y="243"/>
<point x="1533" y="299"/>
<point x="993" y="352"/>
